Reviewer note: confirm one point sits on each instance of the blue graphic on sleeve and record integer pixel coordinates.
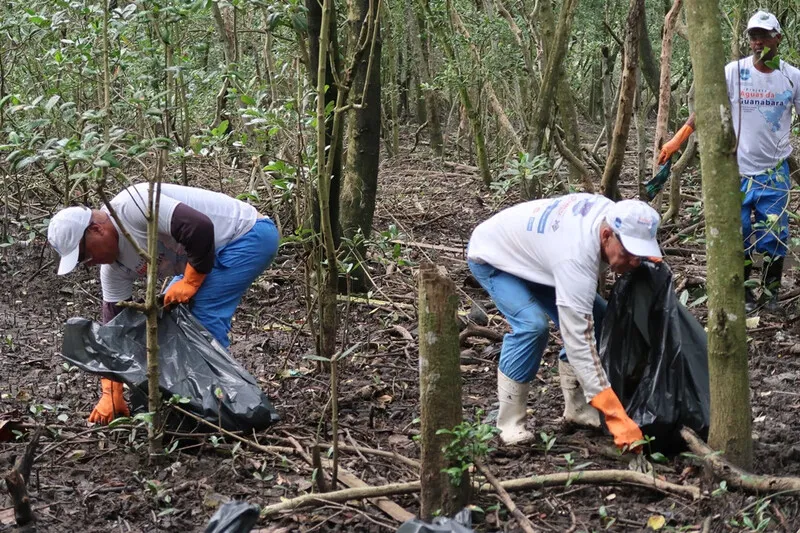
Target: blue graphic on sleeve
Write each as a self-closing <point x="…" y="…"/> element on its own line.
<point x="773" y="110"/>
<point x="543" y="221"/>
<point x="530" y="223"/>
<point x="583" y="207"/>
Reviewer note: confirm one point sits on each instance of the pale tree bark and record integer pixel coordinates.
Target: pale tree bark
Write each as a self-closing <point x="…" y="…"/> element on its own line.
<point x="731" y="423"/>
<point x="393" y="84"/>
<point x="494" y="103"/>
<point x="607" y="92"/>
<point x="679" y="168"/>
<point x="432" y="100"/>
<point x="627" y="94"/>
<point x="360" y="172"/>
<point x="664" y="82"/>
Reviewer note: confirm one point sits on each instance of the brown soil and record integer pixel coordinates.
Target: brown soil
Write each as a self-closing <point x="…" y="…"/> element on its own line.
<point x="94" y="479"/>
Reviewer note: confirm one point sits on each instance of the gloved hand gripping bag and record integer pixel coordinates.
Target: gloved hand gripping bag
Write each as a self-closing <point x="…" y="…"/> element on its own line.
<point x="193" y="365"/>
<point x="655" y="355"/>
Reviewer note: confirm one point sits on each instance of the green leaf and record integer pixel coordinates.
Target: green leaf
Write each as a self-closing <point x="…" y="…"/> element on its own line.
<point x="249" y="100"/>
<point x="52" y="102"/>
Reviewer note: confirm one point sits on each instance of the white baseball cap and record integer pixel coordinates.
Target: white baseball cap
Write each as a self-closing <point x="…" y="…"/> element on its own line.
<point x="636" y="224"/>
<point x="65" y="233"/>
<point x="765" y="21"/>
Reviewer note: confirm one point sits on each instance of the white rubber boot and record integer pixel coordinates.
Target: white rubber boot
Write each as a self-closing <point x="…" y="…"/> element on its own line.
<point x="513" y="397"/>
<point x="576" y="409"/>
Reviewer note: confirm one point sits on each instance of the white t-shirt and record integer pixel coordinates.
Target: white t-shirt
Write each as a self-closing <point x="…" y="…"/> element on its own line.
<point x="231" y="218"/>
<point x="766" y="113"/>
<point x="554" y="241"/>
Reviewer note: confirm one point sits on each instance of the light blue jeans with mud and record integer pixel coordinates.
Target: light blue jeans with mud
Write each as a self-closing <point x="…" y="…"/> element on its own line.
<point x="527" y="307"/>
<point x="236" y="267"/>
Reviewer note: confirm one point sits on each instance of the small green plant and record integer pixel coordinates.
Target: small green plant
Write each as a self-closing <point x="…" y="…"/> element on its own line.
<point x="469" y="442"/>
<point x="721" y="490"/>
<point x="548" y="441"/>
<point x="607" y="520"/>
<point x="759" y="520"/>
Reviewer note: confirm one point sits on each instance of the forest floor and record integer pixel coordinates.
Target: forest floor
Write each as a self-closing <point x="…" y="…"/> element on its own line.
<point x="92" y="479"/>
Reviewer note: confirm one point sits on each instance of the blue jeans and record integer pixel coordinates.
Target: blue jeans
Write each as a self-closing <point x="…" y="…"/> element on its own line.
<point x="767" y="196"/>
<point x="236" y="267"/>
<point x="526" y="306"/>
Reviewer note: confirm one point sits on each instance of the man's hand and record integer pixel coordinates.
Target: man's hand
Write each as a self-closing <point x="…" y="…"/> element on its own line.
<point x="184" y="290"/>
<point x="674" y="144"/>
<point x="111" y="404"/>
<point x="624" y="430"/>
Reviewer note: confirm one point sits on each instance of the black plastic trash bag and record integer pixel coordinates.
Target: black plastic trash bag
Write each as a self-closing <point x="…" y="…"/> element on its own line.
<point x="461" y="523"/>
<point x="655" y="354"/>
<point x="233" y="517"/>
<point x="193" y="365"/>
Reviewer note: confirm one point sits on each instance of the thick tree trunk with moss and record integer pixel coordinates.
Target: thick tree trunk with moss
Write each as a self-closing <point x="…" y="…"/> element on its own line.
<point x="439" y="390"/>
<point x="731" y="425"/>
<point x="360" y="173"/>
<point x="627" y="94"/>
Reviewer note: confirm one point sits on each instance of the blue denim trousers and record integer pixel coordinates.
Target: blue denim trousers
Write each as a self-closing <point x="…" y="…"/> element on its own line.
<point x="766" y="199"/>
<point x="527" y="307"/>
<point x="236" y="267"/>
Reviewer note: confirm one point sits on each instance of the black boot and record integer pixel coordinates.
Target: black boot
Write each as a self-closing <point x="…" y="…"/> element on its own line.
<point x="773" y="272"/>
<point x="750" y="302"/>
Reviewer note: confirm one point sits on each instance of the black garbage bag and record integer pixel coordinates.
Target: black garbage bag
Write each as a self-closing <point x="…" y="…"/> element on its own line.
<point x="233" y="517"/>
<point x="655" y="354"/>
<point x="193" y="365"/>
<point x="460" y="523"/>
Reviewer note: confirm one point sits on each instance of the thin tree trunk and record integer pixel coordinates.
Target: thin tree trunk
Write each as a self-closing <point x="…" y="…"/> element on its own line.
<point x="431" y="115"/>
<point x="544" y="103"/>
<point x="440" y="391"/>
<point x="494" y="103"/>
<point x="664" y="83"/>
<point x="394" y="85"/>
<point x="727" y="344"/>
<point x="627" y="93"/>
<point x="679" y="168"/>
<point x="360" y="172"/>
<point x="607" y="92"/>
<point x="566" y="102"/>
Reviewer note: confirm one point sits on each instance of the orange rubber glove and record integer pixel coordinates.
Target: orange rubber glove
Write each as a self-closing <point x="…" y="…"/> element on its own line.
<point x="184" y="290"/>
<point x="672" y="145"/>
<point x="111" y="404"/>
<point x="624" y="430"/>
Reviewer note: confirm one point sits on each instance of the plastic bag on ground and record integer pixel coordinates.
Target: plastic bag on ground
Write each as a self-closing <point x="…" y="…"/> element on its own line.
<point x="655" y="354"/>
<point x="193" y="365"/>
<point x="233" y="517"/>
<point x="460" y="523"/>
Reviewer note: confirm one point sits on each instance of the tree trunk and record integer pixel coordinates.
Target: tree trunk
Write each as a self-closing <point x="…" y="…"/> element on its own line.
<point x="627" y="94"/>
<point x="360" y="174"/>
<point x="314" y="18"/>
<point x="494" y="103"/>
<point x="607" y="92"/>
<point x="547" y="89"/>
<point x="647" y="60"/>
<point x="439" y="390"/>
<point x="727" y="343"/>
<point x="482" y="155"/>
<point x="393" y="84"/>
<point x="566" y="101"/>
<point x="432" y="106"/>
<point x="679" y="168"/>
<point x="664" y="83"/>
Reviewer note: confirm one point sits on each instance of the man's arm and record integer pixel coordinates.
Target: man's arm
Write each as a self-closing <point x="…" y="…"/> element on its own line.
<point x="195" y="232"/>
<point x="577" y="331"/>
<point x="672" y="145"/>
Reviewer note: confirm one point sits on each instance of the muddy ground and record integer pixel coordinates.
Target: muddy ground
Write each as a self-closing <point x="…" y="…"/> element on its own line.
<point x="92" y="479"/>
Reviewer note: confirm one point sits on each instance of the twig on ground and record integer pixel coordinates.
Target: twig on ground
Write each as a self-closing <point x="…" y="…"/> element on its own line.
<point x="524" y="523"/>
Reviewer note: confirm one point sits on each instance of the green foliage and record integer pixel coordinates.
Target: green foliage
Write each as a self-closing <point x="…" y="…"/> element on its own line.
<point x="469" y="442"/>
<point x="519" y="170"/>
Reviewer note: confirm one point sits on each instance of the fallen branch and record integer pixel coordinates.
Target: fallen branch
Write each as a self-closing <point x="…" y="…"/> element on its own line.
<point x="524" y="523"/>
<point x="473" y="330"/>
<point x="732" y="474"/>
<point x="588" y="477"/>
